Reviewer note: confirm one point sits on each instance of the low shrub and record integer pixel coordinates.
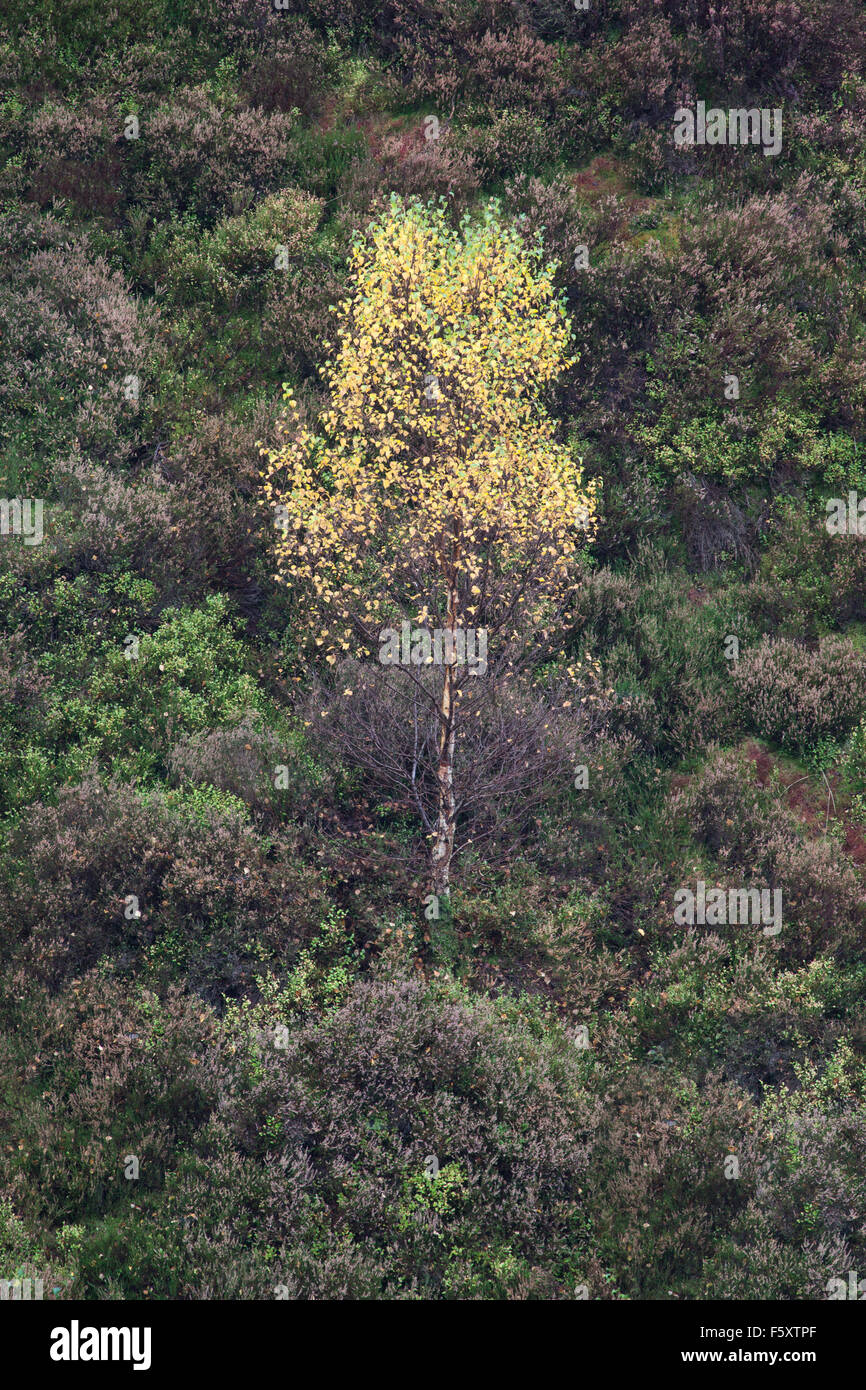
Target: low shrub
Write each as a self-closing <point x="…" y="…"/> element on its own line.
<point x="194" y="154"/>
<point x="180" y="884"/>
<point x="405" y="1121"/>
<point x="807" y="575"/>
<point x="238" y="257"/>
<point x="412" y="166"/>
<point x="758" y="842"/>
<point x="73" y="338"/>
<point x="799" y="1229"/>
<point x="297" y="319"/>
<point x="249" y="761"/>
<point x="795" y="696"/>
<point x="507" y="143"/>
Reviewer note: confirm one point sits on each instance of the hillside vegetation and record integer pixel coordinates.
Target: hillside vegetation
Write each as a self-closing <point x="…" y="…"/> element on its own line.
<point x="433" y="696"/>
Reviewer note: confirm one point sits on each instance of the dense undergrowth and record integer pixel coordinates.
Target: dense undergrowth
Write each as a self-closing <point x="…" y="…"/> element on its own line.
<point x="236" y="1055"/>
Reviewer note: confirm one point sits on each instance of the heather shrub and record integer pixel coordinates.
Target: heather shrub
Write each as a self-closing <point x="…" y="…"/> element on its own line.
<point x="249" y="760"/>
<point x="190" y="532"/>
<point x="617" y="305"/>
<point x="21" y="687"/>
<point x="602" y="607"/>
<point x="727" y="809"/>
<point x="296" y="318"/>
<point x="68" y="32"/>
<point x="474" y="57"/>
<point x="795" y="696"/>
<point x="179" y="534"/>
<point x="828" y="145"/>
<point x="552" y="212"/>
<point x="137" y="1079"/>
<point x="427" y="56"/>
<point x="668" y="1216"/>
<point x="807" y="574"/>
<point x="127" y="523"/>
<point x="286" y="66"/>
<point x="658" y="1188"/>
<point x="664" y="322"/>
<point x="757" y="842"/>
<point x="193" y="154"/>
<point x="400" y="1075"/>
<point x="513" y="69"/>
<point x="663" y="652"/>
<point x="73" y="335"/>
<point x="76" y="917"/>
<point x="507" y="143"/>
<point x="823" y="897"/>
<point x="746" y="46"/>
<point x="635" y="60"/>
<point x="73" y="152"/>
<point x="716" y="1003"/>
<point x="800" y="1227"/>
<point x="634" y="510"/>
<point x="239" y="760"/>
<point x="179" y="886"/>
<point x="412" y="166"/>
<point x="637" y="74"/>
<point x="221" y="452"/>
<point x="782" y="324"/>
<point x="558" y="19"/>
<point x="564" y="942"/>
<point x="822" y="908"/>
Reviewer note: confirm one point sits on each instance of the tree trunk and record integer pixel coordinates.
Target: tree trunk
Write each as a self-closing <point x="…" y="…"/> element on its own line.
<point x="443" y="839"/>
